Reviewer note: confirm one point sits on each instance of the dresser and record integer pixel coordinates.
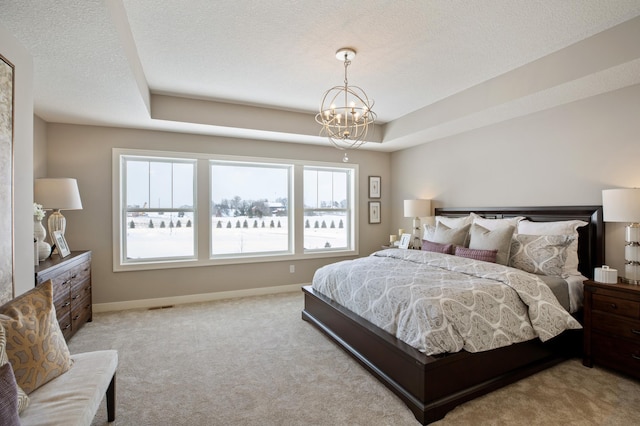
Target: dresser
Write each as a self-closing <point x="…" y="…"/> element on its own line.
<point x="71" y="278"/>
<point x="612" y="326"/>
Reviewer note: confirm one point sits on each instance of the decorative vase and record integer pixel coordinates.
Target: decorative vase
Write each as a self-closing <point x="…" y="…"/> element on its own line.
<point x="39" y="233"/>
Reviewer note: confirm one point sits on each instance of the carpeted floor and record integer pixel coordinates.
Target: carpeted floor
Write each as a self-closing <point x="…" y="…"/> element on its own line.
<point x="253" y="361"/>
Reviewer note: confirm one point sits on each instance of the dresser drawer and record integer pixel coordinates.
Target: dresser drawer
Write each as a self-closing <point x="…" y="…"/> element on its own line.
<point x="79" y="273"/>
<point x="81" y="312"/>
<point x="65" y="325"/>
<point x="616" y="326"/>
<point x="617" y="306"/>
<point x="63" y="307"/>
<point x="80" y="290"/>
<point x="617" y="353"/>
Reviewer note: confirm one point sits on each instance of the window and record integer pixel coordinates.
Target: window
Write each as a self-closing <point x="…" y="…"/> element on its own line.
<point x="158" y="208"/>
<point x="327" y="208"/>
<point x="250" y="212"/>
<point x="193" y="209"/>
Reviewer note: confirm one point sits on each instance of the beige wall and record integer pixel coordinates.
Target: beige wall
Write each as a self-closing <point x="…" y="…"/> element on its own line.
<point x="563" y="156"/>
<point x="39" y="147"/>
<point x="84" y="152"/>
<point x="23" y="256"/>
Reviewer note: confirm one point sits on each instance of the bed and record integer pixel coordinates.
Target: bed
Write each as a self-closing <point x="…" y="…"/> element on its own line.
<point x="432" y="385"/>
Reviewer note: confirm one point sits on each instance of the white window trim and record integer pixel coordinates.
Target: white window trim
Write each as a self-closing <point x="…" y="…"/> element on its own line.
<point x="296" y="233"/>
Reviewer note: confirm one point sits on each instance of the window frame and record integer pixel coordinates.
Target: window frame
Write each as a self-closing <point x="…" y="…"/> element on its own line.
<point x="203" y="212"/>
<point x="291" y="211"/>
<point x="349" y="210"/>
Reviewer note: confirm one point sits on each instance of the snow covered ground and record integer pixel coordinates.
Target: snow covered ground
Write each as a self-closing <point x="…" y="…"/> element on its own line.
<point x="260" y="235"/>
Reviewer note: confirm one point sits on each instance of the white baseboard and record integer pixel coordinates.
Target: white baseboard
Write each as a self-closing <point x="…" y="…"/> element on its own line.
<point x="193" y="298"/>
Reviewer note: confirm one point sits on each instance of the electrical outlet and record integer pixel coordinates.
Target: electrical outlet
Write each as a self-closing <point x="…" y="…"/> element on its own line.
<point x="292" y="268"/>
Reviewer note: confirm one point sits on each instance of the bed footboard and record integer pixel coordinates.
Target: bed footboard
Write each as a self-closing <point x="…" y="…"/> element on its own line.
<point x="430" y="386"/>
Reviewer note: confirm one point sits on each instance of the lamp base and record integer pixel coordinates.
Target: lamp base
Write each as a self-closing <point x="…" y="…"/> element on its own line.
<point x="56" y="222"/>
<point x="416" y="244"/>
<point x="632" y="254"/>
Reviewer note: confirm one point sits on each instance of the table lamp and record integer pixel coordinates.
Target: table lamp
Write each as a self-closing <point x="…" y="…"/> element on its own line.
<point x="623" y="205"/>
<point x="417" y="209"/>
<point x="57" y="194"/>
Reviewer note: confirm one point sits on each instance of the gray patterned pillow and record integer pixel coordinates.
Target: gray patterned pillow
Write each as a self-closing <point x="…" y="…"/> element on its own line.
<point x="540" y="254"/>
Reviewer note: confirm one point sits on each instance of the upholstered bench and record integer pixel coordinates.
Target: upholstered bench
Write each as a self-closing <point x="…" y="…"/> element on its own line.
<point x="73" y="398"/>
<point x="46" y="385"/>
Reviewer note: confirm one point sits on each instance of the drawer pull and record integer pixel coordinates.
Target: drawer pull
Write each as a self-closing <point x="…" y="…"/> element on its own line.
<point x="78" y="316"/>
<point x="74" y="276"/>
<point x="66" y="304"/>
<point x="634" y="356"/>
<point x="614" y="306"/>
<point x="75" y="297"/>
<point x="634" y="331"/>
<point x="67" y="327"/>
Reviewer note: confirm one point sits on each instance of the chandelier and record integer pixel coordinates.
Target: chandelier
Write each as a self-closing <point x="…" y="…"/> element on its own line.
<point x="345" y="111"/>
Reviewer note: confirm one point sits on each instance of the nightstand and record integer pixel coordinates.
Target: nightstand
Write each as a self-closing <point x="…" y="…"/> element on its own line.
<point x="612" y="326"/>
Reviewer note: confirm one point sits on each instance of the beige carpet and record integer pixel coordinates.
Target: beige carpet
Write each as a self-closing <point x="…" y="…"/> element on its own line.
<point x="253" y="361"/>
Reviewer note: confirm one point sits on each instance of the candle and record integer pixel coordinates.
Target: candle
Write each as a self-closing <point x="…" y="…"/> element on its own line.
<point x="393" y="238"/>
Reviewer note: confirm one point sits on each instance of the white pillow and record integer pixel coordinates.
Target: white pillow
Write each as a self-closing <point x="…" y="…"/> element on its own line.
<point x="492" y="224"/>
<point x="564" y="227"/>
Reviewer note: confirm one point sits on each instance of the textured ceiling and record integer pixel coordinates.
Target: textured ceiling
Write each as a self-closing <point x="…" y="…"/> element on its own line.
<point x="234" y="68"/>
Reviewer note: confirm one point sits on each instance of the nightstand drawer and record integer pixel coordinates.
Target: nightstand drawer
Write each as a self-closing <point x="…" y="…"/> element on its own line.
<point x="617" y="353"/>
<point x="616" y="306"/>
<point x="617" y="326"/>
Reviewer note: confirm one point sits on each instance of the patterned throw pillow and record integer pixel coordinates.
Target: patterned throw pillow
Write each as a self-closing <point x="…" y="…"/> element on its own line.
<point x="23" y="399"/>
<point x="35" y="345"/>
<point x="484" y="255"/>
<point x="437" y="247"/>
<point x="564" y="227"/>
<point x="540" y="254"/>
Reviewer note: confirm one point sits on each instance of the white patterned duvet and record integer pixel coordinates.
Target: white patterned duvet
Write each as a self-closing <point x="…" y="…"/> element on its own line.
<point x="440" y="303"/>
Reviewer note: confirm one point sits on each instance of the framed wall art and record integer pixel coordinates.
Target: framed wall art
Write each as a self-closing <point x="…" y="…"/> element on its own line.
<point x="374" y="212"/>
<point x="374" y="186"/>
<point x="6" y="179"/>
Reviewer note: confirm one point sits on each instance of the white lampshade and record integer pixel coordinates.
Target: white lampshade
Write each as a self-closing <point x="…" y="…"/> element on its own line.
<point x="621" y="205"/>
<point x="57" y="194"/>
<point x="417" y="208"/>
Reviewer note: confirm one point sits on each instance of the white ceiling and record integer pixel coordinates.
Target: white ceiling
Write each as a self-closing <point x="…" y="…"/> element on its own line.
<point x="257" y="69"/>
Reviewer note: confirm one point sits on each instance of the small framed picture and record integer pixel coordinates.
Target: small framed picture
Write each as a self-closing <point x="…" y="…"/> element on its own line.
<point x="404" y="241"/>
<point x="61" y="244"/>
<point x="374" y="186"/>
<point x="374" y="212"/>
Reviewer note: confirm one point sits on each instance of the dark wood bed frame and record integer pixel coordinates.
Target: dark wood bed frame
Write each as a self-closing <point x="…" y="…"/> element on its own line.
<point x="431" y="386"/>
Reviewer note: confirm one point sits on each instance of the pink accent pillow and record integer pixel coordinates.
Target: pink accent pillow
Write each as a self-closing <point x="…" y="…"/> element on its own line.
<point x="437" y="247"/>
<point x="476" y="254"/>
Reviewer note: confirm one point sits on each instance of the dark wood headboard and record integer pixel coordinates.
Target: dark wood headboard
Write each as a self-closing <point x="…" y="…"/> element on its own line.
<point x="591" y="237"/>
